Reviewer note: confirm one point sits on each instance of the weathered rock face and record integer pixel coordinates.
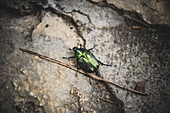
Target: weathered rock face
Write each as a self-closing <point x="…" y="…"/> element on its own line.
<point x="137" y="52"/>
<point x="22" y="7"/>
<point x="152" y="11"/>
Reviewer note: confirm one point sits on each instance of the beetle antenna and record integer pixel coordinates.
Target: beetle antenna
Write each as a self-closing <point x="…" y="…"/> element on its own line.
<point x="80" y="46"/>
<point x="93" y="47"/>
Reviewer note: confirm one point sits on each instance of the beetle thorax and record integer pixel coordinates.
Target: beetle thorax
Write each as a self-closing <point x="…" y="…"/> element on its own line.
<point x="79" y="54"/>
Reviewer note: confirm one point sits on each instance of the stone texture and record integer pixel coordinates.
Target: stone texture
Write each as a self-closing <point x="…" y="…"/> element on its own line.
<point x="22" y="7"/>
<point x="137" y="52"/>
<point x="152" y="11"/>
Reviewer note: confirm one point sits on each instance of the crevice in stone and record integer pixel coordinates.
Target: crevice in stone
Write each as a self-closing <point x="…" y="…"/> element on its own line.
<point x="118" y="104"/>
<point x="70" y="20"/>
<point x="83" y="14"/>
<point x="133" y="16"/>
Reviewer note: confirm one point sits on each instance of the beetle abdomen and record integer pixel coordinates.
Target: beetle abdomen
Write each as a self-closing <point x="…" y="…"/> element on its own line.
<point x="86" y="65"/>
<point x="92" y="60"/>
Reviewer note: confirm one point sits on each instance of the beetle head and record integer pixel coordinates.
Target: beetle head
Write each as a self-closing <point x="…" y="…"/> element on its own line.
<point x="75" y="49"/>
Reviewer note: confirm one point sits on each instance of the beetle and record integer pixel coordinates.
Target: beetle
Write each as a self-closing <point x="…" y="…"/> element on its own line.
<point x="86" y="60"/>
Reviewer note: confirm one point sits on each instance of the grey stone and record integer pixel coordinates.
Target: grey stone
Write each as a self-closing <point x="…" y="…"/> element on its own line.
<point x="31" y="84"/>
<point x="152" y="11"/>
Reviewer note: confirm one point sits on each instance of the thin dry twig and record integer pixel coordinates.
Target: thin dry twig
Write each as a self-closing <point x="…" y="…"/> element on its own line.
<point x="107" y="100"/>
<point x="81" y="71"/>
<point x="136" y="27"/>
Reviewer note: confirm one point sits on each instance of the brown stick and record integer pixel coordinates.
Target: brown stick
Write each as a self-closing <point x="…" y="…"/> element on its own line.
<point x="81" y="71"/>
<point x="107" y="100"/>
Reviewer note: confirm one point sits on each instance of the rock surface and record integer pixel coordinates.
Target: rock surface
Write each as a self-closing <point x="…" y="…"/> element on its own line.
<point x="151" y="11"/>
<point x="138" y="53"/>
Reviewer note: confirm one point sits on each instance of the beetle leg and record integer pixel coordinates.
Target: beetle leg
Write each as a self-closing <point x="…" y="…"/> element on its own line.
<point x="76" y="70"/>
<point x="69" y="57"/>
<point x="100" y="63"/>
<point x="90" y="81"/>
<point x="80" y="46"/>
<point x="92" y="47"/>
<point x="89" y="78"/>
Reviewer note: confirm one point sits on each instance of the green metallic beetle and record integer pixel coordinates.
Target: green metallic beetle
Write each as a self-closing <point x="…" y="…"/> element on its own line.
<point x="86" y="60"/>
